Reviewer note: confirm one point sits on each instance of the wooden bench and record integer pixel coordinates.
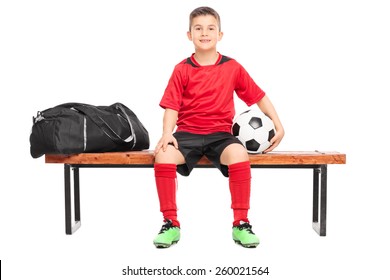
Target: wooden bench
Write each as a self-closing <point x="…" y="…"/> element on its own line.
<point x="315" y="160"/>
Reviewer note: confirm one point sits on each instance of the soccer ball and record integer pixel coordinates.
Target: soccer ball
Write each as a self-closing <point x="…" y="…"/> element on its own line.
<point x="254" y="129"/>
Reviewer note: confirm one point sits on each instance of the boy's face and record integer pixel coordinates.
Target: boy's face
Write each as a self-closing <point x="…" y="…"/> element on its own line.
<point x="204" y="33"/>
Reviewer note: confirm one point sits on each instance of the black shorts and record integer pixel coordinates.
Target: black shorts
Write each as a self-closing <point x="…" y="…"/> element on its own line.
<point x="194" y="146"/>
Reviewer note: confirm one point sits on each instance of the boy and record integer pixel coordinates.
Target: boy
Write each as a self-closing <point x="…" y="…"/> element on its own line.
<point x="199" y="102"/>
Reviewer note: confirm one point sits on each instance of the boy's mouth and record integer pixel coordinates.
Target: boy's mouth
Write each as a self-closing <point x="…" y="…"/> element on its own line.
<point x="205" y="41"/>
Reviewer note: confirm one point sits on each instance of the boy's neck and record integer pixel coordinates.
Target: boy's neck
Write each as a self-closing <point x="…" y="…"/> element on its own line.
<point x="206" y="58"/>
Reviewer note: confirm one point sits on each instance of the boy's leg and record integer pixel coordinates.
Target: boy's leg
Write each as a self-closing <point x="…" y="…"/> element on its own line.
<point x="240" y="185"/>
<point x="236" y="158"/>
<point x="165" y="175"/>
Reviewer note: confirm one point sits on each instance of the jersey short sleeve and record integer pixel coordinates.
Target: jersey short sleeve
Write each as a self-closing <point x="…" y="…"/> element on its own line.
<point x="246" y="88"/>
<point x="173" y="94"/>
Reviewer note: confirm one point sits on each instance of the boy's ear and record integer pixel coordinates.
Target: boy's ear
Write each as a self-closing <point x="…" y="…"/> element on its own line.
<point x="189" y="35"/>
<point x="220" y="36"/>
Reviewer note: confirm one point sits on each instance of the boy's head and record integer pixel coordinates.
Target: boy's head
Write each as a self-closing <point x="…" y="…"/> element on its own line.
<point x="205" y="29"/>
<point x="204" y="11"/>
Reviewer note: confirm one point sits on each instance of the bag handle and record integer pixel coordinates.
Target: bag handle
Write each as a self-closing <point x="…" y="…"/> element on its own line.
<point x="90" y="111"/>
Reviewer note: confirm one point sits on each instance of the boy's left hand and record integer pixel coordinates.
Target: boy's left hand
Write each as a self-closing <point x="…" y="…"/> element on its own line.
<point x="275" y="140"/>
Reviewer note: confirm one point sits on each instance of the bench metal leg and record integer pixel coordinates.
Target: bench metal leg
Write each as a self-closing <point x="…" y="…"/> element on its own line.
<point x="319" y="199"/>
<point x="71" y="225"/>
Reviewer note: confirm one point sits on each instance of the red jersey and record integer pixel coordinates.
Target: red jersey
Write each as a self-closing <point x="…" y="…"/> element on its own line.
<point x="203" y="95"/>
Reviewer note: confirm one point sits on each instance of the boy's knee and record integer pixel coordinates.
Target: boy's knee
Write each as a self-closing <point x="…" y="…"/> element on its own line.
<point x="170" y="155"/>
<point x="234" y="153"/>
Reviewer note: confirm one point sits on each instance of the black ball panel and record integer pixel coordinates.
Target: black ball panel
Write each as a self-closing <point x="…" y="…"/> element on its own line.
<point x="271" y="134"/>
<point x="236" y="129"/>
<point x="255" y="122"/>
<point x="252" y="145"/>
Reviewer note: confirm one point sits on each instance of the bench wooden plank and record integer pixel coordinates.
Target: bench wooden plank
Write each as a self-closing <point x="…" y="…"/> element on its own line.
<point x="147" y="158"/>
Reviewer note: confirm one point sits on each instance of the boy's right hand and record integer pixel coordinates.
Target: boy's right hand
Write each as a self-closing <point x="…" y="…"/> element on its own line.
<point x="164" y="141"/>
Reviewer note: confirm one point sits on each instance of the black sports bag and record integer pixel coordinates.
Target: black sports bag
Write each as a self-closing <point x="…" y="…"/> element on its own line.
<point x="73" y="128"/>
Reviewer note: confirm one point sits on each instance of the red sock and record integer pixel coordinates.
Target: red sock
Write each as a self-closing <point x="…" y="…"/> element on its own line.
<point x="240" y="188"/>
<point x="166" y="188"/>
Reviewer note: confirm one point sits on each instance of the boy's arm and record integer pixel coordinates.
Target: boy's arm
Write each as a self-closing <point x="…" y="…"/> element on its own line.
<point x="169" y="123"/>
<point x="267" y="108"/>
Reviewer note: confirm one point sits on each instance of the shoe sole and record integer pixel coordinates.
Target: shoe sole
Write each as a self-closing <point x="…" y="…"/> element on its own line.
<point x="165" y="245"/>
<point x="249" y="245"/>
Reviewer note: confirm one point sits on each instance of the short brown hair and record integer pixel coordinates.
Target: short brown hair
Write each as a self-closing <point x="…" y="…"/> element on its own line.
<point x="204" y="11"/>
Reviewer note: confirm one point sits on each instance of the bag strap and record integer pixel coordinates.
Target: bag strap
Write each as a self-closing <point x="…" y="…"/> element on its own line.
<point x="128" y="117"/>
<point x="91" y="112"/>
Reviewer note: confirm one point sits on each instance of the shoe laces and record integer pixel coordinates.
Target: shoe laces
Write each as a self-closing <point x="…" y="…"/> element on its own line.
<point x="168" y="224"/>
<point x="246" y="226"/>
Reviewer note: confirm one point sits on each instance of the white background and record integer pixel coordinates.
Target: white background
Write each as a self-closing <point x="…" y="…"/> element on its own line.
<point x="325" y="66"/>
